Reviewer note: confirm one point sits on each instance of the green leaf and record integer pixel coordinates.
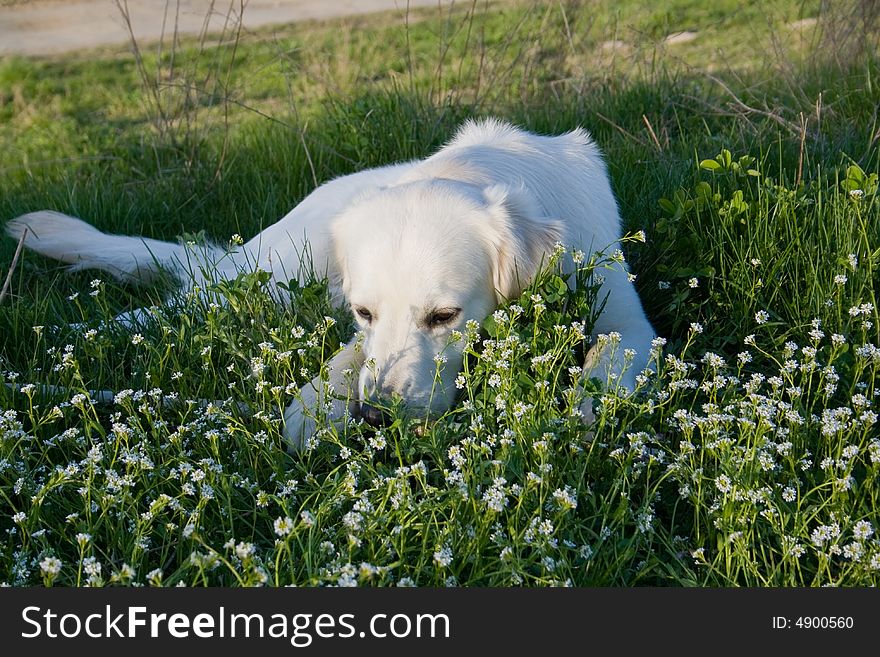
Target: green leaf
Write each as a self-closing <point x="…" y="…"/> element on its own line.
<point x="710" y="165"/>
<point x="703" y="190"/>
<point x="666" y="205"/>
<point x="736" y="202"/>
<point x="855" y="173"/>
<point x="490" y="326"/>
<point x="561" y="286"/>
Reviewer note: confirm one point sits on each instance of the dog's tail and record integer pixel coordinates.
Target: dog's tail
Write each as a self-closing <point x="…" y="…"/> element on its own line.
<point x="70" y="240"/>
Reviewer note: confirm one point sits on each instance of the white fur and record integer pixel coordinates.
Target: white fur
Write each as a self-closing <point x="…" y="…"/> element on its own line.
<point x="462" y="229"/>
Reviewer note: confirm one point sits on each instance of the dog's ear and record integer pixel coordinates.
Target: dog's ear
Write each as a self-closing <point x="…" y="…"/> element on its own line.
<point x="337" y="274"/>
<point x="521" y="239"/>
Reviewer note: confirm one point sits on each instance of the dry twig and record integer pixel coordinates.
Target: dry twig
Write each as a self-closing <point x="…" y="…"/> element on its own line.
<point x="15" y="258"/>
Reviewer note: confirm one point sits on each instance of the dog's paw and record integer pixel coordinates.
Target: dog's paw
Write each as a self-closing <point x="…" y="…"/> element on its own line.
<point x="588" y="416"/>
<point x="299" y="420"/>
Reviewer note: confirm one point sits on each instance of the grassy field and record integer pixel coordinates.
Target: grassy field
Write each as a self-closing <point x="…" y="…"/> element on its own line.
<point x="742" y="138"/>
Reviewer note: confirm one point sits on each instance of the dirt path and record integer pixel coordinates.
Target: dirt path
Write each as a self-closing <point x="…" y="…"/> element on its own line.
<point x="47" y="27"/>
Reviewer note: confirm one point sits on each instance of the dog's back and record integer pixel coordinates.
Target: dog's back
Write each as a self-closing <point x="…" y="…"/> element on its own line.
<point x="565" y="174"/>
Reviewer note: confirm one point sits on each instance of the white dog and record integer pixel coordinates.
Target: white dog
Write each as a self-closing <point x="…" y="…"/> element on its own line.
<point x="415" y="250"/>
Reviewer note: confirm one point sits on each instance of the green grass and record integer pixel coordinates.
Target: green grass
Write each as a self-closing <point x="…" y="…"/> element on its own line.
<point x="749" y="455"/>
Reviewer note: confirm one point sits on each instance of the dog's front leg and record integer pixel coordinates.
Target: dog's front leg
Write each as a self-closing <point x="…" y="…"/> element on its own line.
<point x="622" y="342"/>
<point x="324" y="400"/>
<point x="615" y="361"/>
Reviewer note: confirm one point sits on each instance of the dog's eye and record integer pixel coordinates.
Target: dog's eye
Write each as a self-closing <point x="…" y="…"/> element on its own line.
<point x="442" y="316"/>
<point x="364" y="314"/>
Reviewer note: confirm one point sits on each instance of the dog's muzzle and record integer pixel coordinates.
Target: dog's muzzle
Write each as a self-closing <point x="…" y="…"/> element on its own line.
<point x="374" y="416"/>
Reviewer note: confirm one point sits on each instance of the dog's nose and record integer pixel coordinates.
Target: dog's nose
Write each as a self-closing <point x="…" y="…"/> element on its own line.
<point x="375" y="417"/>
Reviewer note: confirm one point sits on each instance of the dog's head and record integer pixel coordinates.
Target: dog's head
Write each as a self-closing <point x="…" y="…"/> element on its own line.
<point x="419" y="260"/>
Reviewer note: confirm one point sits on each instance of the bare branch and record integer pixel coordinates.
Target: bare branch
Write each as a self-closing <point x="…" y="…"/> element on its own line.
<point x="12" y="266"/>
